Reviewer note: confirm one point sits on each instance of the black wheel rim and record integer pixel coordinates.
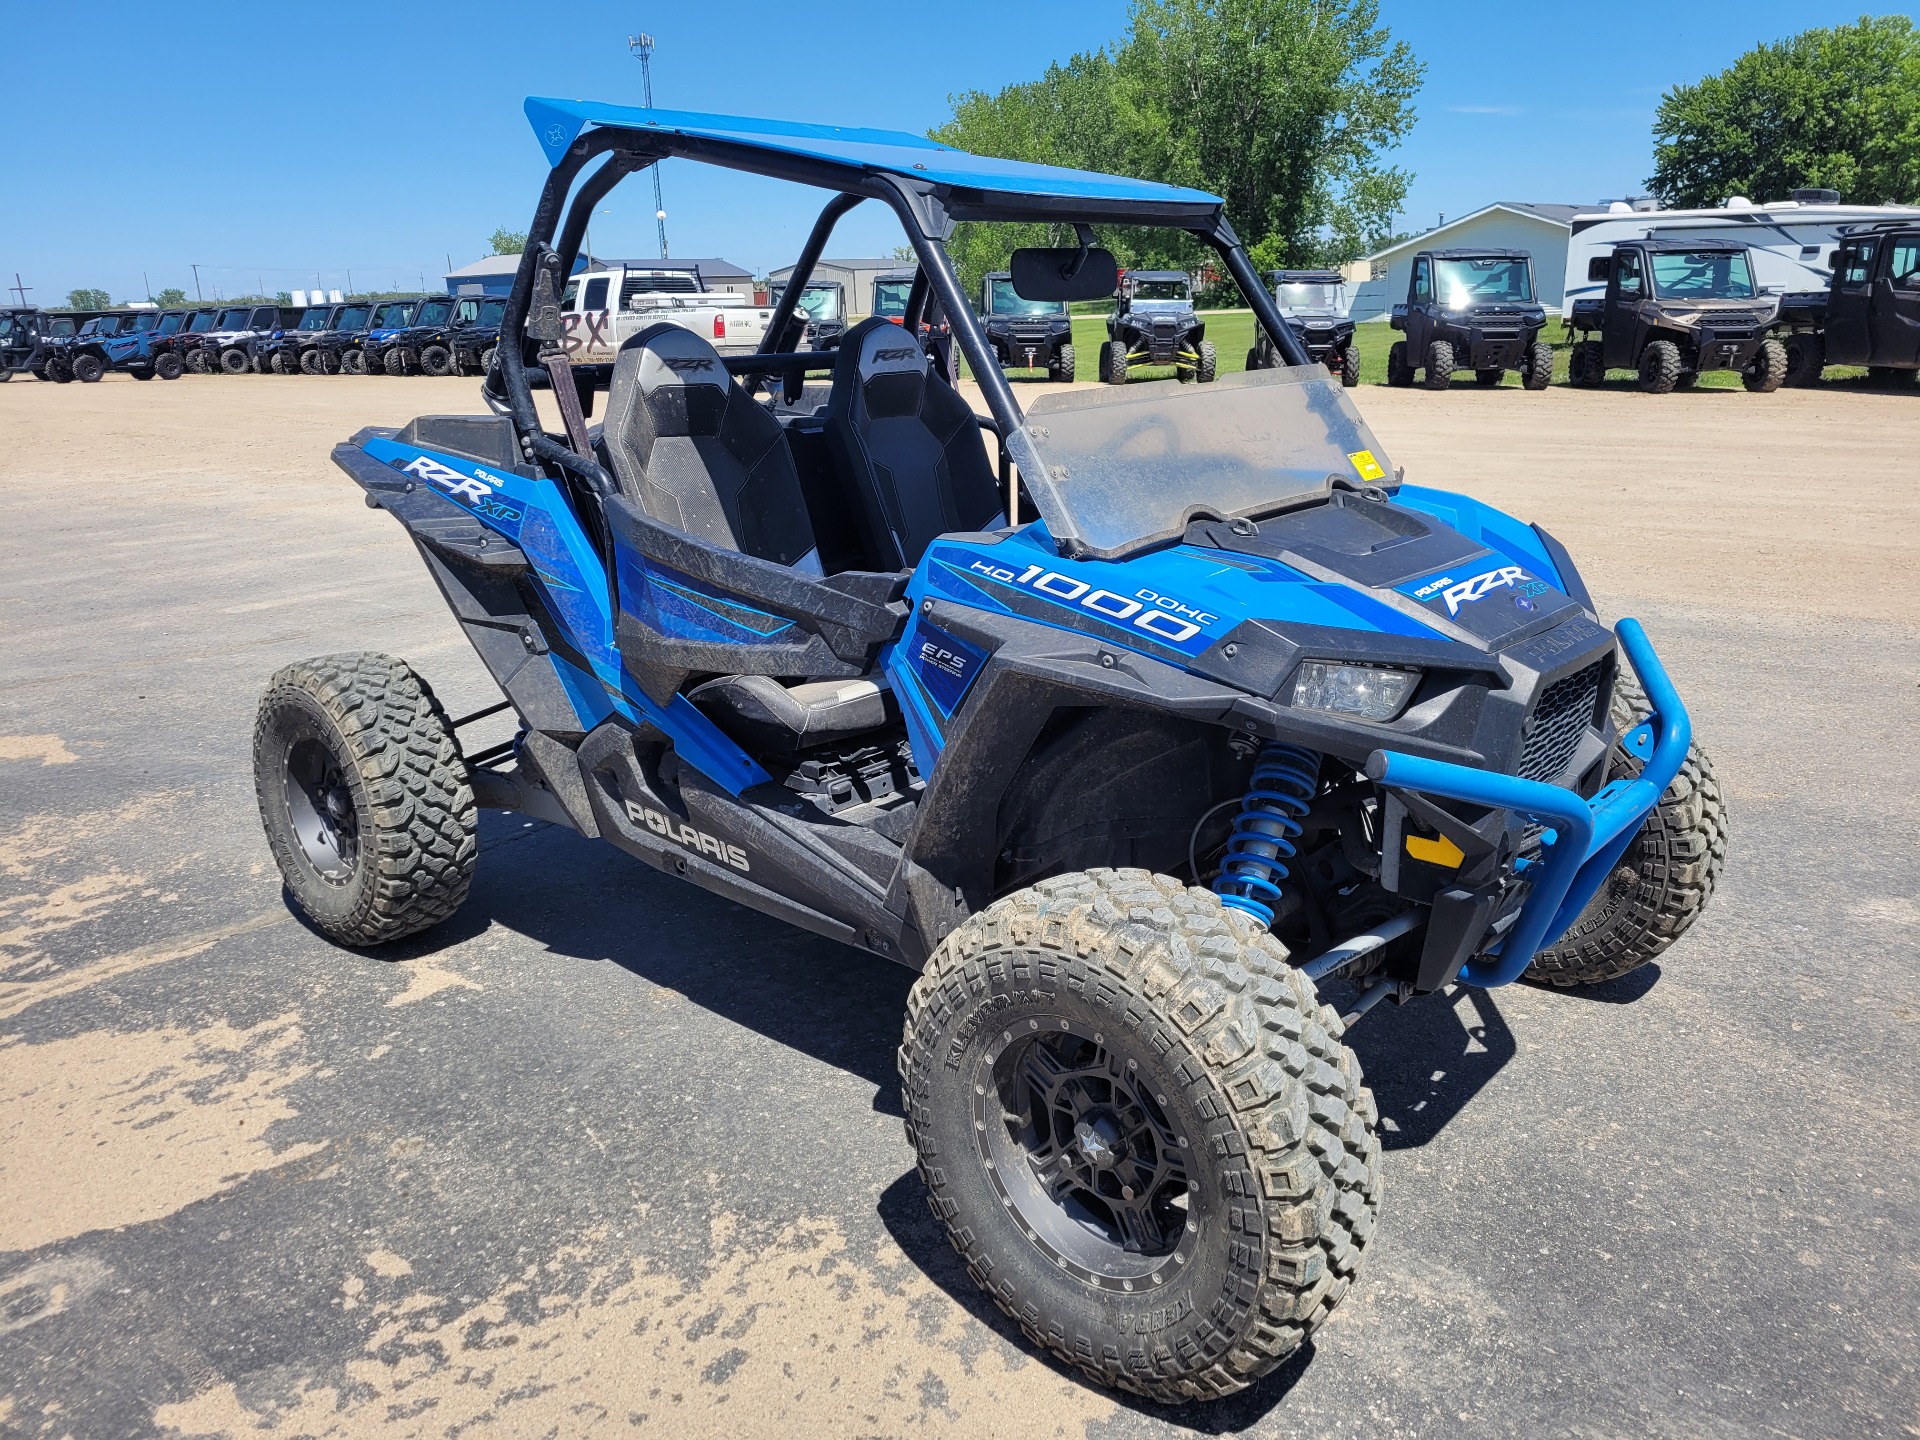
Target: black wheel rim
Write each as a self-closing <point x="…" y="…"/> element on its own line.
<point x="1084" y="1155"/>
<point x="320" y="810"/>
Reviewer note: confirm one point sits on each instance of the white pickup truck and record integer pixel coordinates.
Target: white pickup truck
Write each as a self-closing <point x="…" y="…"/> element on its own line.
<point x="602" y="309"/>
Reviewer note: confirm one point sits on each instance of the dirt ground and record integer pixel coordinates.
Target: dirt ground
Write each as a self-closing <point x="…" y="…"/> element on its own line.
<point x="606" y="1154"/>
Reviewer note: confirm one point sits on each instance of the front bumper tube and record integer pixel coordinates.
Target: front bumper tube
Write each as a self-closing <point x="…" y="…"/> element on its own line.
<point x="1591" y="835"/>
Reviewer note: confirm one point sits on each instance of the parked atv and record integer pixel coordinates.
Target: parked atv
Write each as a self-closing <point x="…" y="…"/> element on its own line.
<point x="1673" y="309"/>
<point x="336" y="349"/>
<point x="1027" y="334"/>
<point x="474" y="333"/>
<point x="281" y="351"/>
<point x="124" y="341"/>
<point x="1160" y="758"/>
<point x="893" y="293"/>
<point x="228" y="347"/>
<point x="1470" y="309"/>
<point x="1868" y="315"/>
<point x="185" y="342"/>
<point x="366" y="354"/>
<point x="1313" y="304"/>
<point x="1154" y="324"/>
<point x="419" y="347"/>
<point x="34" y="342"/>
<point x="824" y="304"/>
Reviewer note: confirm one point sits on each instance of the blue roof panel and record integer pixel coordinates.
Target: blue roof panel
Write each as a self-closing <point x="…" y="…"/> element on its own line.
<point x="558" y="122"/>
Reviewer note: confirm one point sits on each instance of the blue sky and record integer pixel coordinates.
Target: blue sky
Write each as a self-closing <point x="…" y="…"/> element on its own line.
<point x="270" y="143"/>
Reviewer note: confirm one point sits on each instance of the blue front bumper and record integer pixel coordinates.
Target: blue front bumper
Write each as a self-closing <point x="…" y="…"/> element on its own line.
<point x="1590" y="835"/>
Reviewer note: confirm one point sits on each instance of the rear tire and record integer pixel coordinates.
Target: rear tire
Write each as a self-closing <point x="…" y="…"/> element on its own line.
<point x="1350" y="367"/>
<point x="1209" y="367"/>
<point x="364" y="797"/>
<point x="1537" y="372"/>
<point x="197" y="363"/>
<point x="168" y="366"/>
<point x="282" y="363"/>
<point x="1659" y="367"/>
<point x="435" y="360"/>
<point x="1586" y="365"/>
<point x="1204" y="1052"/>
<point x="88" y="369"/>
<point x="1399" y="371"/>
<point x="234" y="362"/>
<point x="1664" y="879"/>
<point x="1806" y="358"/>
<point x="1767" y="370"/>
<point x="310" y="362"/>
<point x="1439" y="365"/>
<point x="353" y="362"/>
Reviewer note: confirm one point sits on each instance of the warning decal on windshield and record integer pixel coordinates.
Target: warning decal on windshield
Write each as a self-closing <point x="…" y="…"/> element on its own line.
<point x="1367" y="467"/>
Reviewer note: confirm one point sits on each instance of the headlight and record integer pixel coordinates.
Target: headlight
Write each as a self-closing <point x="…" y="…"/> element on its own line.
<point x="1371" y="692"/>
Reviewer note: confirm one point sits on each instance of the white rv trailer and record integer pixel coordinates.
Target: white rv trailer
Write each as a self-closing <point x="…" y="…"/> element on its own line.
<point x="1791" y="240"/>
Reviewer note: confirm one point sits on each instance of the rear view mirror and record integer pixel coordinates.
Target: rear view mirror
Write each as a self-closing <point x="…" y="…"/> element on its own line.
<point x="1833" y="259"/>
<point x="1050" y="274"/>
<point x="1598" y="267"/>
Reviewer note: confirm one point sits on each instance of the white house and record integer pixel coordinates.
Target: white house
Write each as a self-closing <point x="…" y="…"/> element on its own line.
<point x="1543" y="230"/>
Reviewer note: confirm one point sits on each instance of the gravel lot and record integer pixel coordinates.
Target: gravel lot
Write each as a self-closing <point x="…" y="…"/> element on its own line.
<point x="608" y="1154"/>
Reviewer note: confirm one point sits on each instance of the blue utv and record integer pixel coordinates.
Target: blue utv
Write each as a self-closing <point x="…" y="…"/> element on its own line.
<point x="1143" y="724"/>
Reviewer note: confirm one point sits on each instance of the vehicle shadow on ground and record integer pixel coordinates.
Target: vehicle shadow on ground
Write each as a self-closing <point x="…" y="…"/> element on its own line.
<point x="903" y="1210"/>
<point x="1426" y="1060"/>
<point x="1624" y="991"/>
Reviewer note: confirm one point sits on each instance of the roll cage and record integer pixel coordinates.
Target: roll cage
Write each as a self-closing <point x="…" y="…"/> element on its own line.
<point x="928" y="186"/>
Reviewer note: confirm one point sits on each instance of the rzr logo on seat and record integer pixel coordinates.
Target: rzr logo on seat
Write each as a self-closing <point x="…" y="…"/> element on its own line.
<point x="907" y="354"/>
<point x="1475" y="587"/>
<point x="465" y="487"/>
<point x="681" y="833"/>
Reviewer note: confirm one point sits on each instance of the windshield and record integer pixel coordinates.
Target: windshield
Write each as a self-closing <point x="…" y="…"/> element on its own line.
<point x="1159" y="290"/>
<point x="314" y="320"/>
<point x="1127" y="468"/>
<point x="232" y="320"/>
<point x="434" y="312"/>
<point x="890" y="297"/>
<point x="169" y="323"/>
<point x="818" y="302"/>
<point x="6" y="324"/>
<point x="1490" y="281"/>
<point x="1703" y="275"/>
<point x="1003" y="299"/>
<point x="393" y="313"/>
<point x="492" y="312"/>
<point x="145" y="321"/>
<point x="354" y="317"/>
<point x="202" y="321"/>
<point x="100" y="326"/>
<point x="1302" y="297"/>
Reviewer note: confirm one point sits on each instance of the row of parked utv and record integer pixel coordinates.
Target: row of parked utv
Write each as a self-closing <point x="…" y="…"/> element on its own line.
<point x="428" y="335"/>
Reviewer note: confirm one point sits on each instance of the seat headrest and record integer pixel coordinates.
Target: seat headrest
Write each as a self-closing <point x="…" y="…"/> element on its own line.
<point x="890" y="365"/>
<point x="682" y="379"/>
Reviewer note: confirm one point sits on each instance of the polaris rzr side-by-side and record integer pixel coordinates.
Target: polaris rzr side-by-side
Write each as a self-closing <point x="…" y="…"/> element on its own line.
<point x="1473" y="310"/>
<point x="1165" y="732"/>
<point x="1027" y="334"/>
<point x="1154" y="323"/>
<point x="125" y="341"/>
<point x="1313" y="303"/>
<point x="1674" y="308"/>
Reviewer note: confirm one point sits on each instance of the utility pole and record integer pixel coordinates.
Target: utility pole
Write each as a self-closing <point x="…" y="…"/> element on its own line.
<point x="642" y="48"/>
<point x="146" y="284"/>
<point x="20" y="290"/>
<point x="196" y="286"/>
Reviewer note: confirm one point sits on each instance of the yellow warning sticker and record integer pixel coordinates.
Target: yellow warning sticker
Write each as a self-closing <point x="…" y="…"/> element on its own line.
<point x="1366" y="465"/>
<point x="1435" y="852"/>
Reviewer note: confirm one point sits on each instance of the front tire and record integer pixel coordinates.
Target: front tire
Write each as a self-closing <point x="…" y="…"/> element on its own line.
<point x="88" y="369"/>
<point x="1537" y="372"/>
<point x="1399" y="367"/>
<point x="282" y="363"/>
<point x="1209" y="366"/>
<point x="1767" y="370"/>
<point x="168" y="366"/>
<point x="1439" y="365"/>
<point x="1586" y="365"/>
<point x="1064" y="364"/>
<point x="235" y="362"/>
<point x="1663" y="880"/>
<point x="1116" y="370"/>
<point x="435" y="360"/>
<point x="1659" y="367"/>
<point x="364" y="797"/>
<point x="1350" y="367"/>
<point x="1141" y="1130"/>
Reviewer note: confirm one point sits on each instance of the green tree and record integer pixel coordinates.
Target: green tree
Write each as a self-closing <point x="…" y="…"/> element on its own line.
<point x="507" y="242"/>
<point x="1281" y="107"/>
<point x="171" y="298"/>
<point x="1837" y="108"/>
<point x="88" y="300"/>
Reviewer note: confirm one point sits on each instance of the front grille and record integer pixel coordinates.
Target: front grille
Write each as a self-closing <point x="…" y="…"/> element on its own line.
<point x="1560" y="717"/>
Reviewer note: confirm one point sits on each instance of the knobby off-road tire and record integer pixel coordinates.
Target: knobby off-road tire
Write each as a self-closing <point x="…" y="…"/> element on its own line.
<point x="1659" y="367"/>
<point x="1537" y="372"/>
<point x="88" y="369"/>
<point x="235" y="362"/>
<point x="197" y="362"/>
<point x="1767" y="370"/>
<point x="1209" y="367"/>
<point x="353" y="362"/>
<point x="1350" y="367"/>
<point x="1806" y="358"/>
<point x="1399" y="367"/>
<point x="168" y="366"/>
<point x="435" y="360"/>
<point x="282" y="363"/>
<point x="1064" y="365"/>
<point x="395" y="362"/>
<point x="1664" y="879"/>
<point x="1439" y="365"/>
<point x="1155" y="1003"/>
<point x="1116" y="363"/>
<point x="1586" y="365"/>
<point x="364" y="797"/>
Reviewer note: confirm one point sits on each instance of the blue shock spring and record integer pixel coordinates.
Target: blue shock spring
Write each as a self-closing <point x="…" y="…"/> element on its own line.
<point x="1281" y="791"/>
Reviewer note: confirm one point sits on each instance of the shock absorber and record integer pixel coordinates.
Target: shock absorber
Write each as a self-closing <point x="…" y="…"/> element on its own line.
<point x="1261" y="843"/>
